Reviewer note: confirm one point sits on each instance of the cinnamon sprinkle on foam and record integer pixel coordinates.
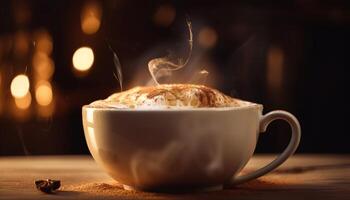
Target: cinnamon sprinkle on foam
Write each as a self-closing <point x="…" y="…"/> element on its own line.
<point x="169" y="96"/>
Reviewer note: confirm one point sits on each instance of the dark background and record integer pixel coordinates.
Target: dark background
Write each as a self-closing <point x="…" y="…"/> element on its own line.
<point x="289" y="55"/>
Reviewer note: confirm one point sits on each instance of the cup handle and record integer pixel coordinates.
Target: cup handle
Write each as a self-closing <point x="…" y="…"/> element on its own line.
<point x="292" y="146"/>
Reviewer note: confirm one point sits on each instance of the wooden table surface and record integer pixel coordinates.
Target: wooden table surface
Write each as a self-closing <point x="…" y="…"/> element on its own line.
<point x="301" y="177"/>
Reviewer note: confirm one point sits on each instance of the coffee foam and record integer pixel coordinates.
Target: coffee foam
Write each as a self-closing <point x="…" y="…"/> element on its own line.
<point x="170" y="96"/>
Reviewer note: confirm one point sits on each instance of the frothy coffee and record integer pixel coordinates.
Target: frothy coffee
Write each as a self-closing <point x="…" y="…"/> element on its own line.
<point x="169" y="96"/>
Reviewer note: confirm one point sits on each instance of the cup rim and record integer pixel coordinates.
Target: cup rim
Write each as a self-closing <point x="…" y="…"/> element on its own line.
<point x="211" y="109"/>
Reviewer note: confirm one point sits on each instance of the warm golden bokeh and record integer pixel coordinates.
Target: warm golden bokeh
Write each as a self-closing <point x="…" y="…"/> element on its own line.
<point x="90" y="25"/>
<point x="21" y="43"/>
<point x="43" y="66"/>
<point x="207" y="37"/>
<point x="24" y="102"/>
<point x="20" y="86"/>
<point x="46" y="111"/>
<point x="91" y="17"/>
<point x="164" y="15"/>
<point x="83" y="58"/>
<point x="43" y="93"/>
<point x="43" y="42"/>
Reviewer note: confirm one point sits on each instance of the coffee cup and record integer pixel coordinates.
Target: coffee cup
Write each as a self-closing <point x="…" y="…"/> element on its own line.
<point x="181" y="149"/>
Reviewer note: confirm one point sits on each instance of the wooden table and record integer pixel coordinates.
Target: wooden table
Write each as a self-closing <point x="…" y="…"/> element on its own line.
<point x="301" y="177"/>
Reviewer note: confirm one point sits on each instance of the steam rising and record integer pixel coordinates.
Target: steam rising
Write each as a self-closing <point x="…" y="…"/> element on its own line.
<point x="20" y="136"/>
<point x="118" y="67"/>
<point x="159" y="67"/>
<point x="200" y="77"/>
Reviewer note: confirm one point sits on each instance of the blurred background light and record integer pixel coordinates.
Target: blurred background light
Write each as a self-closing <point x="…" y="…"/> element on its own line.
<point x="24" y="102"/>
<point x="43" y="93"/>
<point x="46" y="111"/>
<point x="83" y="58"/>
<point x="21" y="43"/>
<point x="43" y="66"/>
<point x="43" y="42"/>
<point x="91" y="17"/>
<point x="20" y="86"/>
<point x="283" y="60"/>
<point x="207" y="37"/>
<point x="164" y="15"/>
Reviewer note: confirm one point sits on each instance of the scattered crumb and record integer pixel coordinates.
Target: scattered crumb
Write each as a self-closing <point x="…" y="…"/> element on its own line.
<point x="116" y="189"/>
<point x="107" y="189"/>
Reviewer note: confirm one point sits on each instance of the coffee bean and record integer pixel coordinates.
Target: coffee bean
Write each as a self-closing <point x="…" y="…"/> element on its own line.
<point x="48" y="186"/>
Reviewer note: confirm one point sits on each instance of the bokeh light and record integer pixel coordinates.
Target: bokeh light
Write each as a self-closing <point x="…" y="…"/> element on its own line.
<point x="46" y="111"/>
<point x="164" y="15"/>
<point x="43" y="42"/>
<point x="90" y="25"/>
<point x="43" y="66"/>
<point x="207" y="37"/>
<point x="20" y="86"/>
<point x="24" y="102"/>
<point x="91" y="17"/>
<point x="21" y="43"/>
<point x="83" y="58"/>
<point x="43" y="93"/>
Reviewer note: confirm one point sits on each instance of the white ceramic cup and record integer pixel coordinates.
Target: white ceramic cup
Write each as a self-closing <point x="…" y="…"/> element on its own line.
<point x="185" y="149"/>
